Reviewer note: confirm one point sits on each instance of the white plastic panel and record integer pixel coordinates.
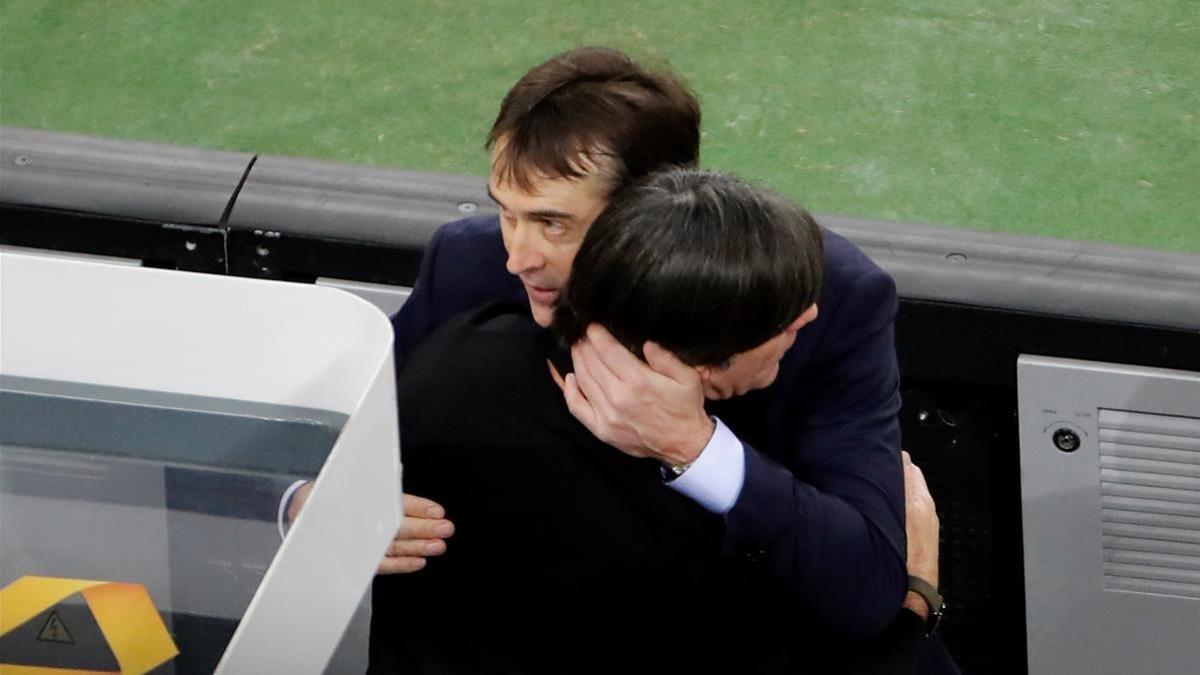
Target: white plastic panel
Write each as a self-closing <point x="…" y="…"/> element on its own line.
<point x="188" y="333"/>
<point x="261" y="342"/>
<point x="1110" y="493"/>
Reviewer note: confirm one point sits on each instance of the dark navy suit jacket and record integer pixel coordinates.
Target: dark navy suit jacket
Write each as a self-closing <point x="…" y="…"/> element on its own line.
<point x="822" y="507"/>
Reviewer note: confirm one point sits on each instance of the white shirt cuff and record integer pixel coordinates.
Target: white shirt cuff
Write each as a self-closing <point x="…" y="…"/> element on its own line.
<point x="283" y="505"/>
<point x="715" y="479"/>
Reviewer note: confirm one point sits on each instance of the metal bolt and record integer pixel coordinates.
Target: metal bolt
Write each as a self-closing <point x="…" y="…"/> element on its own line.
<point x="22" y="160"/>
<point x="263" y="251"/>
<point x="189" y="245"/>
<point x="467" y="207"/>
<point x="956" y="257"/>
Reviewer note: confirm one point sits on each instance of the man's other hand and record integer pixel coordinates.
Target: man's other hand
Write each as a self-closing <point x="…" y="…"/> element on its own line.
<point x="921" y="526"/>
<point x="298" y="499"/>
<point x="422" y="534"/>
<point x="652" y="409"/>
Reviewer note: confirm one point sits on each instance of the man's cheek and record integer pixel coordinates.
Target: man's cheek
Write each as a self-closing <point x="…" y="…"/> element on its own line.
<point x="769" y="375"/>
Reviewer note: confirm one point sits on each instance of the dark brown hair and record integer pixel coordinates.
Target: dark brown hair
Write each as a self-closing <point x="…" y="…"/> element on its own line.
<point x="595" y="103"/>
<point x="698" y="261"/>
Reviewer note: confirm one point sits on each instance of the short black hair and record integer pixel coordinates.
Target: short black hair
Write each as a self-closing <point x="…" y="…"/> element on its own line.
<point x="698" y="261"/>
<point x="595" y="103"/>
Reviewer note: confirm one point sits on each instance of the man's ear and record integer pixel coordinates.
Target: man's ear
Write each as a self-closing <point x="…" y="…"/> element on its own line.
<point x="806" y="317"/>
<point x="706" y="374"/>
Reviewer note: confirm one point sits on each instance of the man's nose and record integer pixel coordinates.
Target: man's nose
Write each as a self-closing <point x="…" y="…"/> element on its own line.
<point x="524" y="254"/>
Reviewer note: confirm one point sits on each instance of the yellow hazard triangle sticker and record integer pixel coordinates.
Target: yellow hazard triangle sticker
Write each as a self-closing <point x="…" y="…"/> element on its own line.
<point x="124" y="612"/>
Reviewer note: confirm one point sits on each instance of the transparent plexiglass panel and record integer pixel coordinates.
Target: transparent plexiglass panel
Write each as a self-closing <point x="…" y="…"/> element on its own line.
<point x="177" y="493"/>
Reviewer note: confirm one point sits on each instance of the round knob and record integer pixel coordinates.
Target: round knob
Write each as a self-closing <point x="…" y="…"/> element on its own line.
<point x="1066" y="440"/>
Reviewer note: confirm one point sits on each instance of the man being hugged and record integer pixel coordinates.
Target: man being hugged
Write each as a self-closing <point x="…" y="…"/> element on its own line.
<point x="805" y="475"/>
<point x="571" y="557"/>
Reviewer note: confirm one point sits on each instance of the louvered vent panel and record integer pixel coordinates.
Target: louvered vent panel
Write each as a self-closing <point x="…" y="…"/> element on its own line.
<point x="1150" y="501"/>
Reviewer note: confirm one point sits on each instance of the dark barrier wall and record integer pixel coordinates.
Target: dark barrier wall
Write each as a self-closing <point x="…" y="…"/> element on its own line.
<point x="970" y="304"/>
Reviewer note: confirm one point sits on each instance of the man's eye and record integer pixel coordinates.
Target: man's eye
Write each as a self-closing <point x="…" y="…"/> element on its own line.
<point x="553" y="227"/>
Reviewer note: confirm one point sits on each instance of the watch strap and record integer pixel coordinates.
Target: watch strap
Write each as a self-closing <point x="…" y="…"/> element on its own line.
<point x="937" y="604"/>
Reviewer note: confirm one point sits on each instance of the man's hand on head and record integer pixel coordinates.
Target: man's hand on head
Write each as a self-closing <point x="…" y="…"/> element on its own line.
<point x="652" y="409"/>
<point x="422" y="535"/>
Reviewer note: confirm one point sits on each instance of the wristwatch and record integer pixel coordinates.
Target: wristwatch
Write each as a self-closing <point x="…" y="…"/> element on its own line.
<point x="672" y="471"/>
<point x="937" y="604"/>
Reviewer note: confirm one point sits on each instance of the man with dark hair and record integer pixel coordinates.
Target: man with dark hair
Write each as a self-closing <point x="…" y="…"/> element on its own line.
<point x="594" y="103"/>
<point x="569" y="134"/>
<point x="807" y="474"/>
<point x="615" y="574"/>
<point x="803" y="477"/>
<point x="701" y="264"/>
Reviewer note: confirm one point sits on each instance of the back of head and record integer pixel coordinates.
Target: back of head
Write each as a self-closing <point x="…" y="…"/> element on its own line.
<point x="697" y="261"/>
<point x="595" y="103"/>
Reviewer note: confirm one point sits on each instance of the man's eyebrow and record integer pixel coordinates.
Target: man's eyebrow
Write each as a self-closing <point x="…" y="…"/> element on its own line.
<point x="545" y="214"/>
<point x="551" y="214"/>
